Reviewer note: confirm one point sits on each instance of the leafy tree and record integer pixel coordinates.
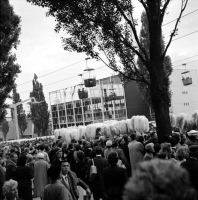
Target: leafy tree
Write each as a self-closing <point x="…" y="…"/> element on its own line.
<point x="5" y="128"/>
<point x="9" y="39"/>
<point x="144" y="40"/>
<point x="20" y="112"/>
<point x="39" y="112"/>
<point x="110" y="27"/>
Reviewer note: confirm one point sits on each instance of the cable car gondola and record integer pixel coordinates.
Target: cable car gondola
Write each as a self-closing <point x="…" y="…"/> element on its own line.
<point x="89" y="76"/>
<point x="82" y="93"/>
<point x="186" y="77"/>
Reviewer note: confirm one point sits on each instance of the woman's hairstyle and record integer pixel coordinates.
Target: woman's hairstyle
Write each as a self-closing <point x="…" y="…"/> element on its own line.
<point x="54" y="172"/>
<point x="22" y="160"/>
<point x="165" y="149"/>
<point x="80" y="155"/>
<point x="181" y="153"/>
<point x="8" y="185"/>
<point x="113" y="158"/>
<point x="159" y="180"/>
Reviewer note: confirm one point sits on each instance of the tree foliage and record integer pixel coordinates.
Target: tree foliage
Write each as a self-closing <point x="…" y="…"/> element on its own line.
<point x="95" y="26"/>
<point x="9" y="39"/>
<point x="145" y="42"/>
<point x="39" y="112"/>
<point x="5" y="128"/>
<point x="20" y="112"/>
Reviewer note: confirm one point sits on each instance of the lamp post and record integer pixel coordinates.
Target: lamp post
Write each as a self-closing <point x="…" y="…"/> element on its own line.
<point x="14" y="106"/>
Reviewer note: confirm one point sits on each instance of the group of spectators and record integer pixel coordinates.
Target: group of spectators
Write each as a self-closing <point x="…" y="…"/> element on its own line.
<point x="129" y="167"/>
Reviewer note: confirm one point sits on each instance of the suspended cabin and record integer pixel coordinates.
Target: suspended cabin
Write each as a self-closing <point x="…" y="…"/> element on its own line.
<point x="89" y="77"/>
<point x="186" y="78"/>
<point x="82" y="93"/>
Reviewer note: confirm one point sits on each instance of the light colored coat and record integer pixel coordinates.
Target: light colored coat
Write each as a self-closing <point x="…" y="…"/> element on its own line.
<point x="40" y="177"/>
<point x="136" y="151"/>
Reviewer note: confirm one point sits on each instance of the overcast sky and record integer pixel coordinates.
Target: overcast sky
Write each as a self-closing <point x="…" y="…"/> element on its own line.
<point x="41" y="52"/>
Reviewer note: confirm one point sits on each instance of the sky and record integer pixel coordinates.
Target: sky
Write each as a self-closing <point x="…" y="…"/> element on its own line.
<point x="40" y="50"/>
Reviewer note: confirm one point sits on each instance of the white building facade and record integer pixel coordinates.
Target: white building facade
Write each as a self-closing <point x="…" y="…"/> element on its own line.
<point x="184" y="98"/>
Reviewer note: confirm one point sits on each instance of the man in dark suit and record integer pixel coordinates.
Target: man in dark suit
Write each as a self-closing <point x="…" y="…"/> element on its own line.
<point x="70" y="181"/>
<point x="97" y="185"/>
<point x="115" y="178"/>
<point x="11" y="167"/>
<point x="191" y="165"/>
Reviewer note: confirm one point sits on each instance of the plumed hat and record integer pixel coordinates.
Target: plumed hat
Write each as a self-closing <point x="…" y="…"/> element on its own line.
<point x="192" y="133"/>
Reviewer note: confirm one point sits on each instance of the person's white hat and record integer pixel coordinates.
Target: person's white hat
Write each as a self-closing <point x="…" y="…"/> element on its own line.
<point x="40" y="155"/>
<point x="192" y="133"/>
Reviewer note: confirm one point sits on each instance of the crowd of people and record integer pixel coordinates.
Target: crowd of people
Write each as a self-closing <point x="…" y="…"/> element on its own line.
<point x="129" y="167"/>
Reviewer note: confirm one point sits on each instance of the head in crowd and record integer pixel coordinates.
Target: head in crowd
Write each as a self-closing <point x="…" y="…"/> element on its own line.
<point x="113" y="158"/>
<point x="10" y="189"/>
<point x="60" y="144"/>
<point x="80" y="155"/>
<point x="125" y="138"/>
<point x="41" y="147"/>
<point x="40" y="156"/>
<point x="177" y="137"/>
<point x="172" y="141"/>
<point x="157" y="148"/>
<point x="98" y="130"/>
<point x="14" y="157"/>
<point x="80" y="142"/>
<point x="77" y="147"/>
<point x="140" y="139"/>
<point x="193" y="151"/>
<point x="59" y="154"/>
<point x="159" y="180"/>
<point x="54" y="172"/>
<point x="149" y="148"/>
<point x="133" y="136"/>
<point x="166" y="149"/>
<point x="65" y="167"/>
<point x="166" y="137"/>
<point x="70" y="146"/>
<point x="114" y="144"/>
<point x="108" y="144"/>
<point x="22" y="160"/>
<point x="182" y="153"/>
<point x="95" y="144"/>
<point x="98" y="150"/>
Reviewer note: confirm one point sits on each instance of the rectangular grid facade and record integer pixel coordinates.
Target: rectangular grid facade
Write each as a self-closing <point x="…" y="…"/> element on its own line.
<point x="105" y="101"/>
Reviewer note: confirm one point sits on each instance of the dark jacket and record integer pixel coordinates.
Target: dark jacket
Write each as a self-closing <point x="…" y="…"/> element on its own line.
<point x="121" y="156"/>
<point x="114" y="180"/>
<point x="24" y="175"/>
<point x="98" y="183"/>
<point x="2" y="179"/>
<point x="125" y="148"/>
<point x="191" y="166"/>
<point x="70" y="159"/>
<point x="73" y="182"/>
<point x="10" y="170"/>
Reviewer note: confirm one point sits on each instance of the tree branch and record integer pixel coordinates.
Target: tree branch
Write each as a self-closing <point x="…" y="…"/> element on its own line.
<point x="132" y="25"/>
<point x="183" y="6"/>
<point x="163" y="11"/>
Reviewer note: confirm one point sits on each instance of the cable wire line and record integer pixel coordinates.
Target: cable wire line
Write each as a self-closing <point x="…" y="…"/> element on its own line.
<point x="180" y="18"/>
<point x="53" y="71"/>
<point x="185" y="35"/>
<point x="185" y="59"/>
<point x="186" y="63"/>
<point x="60" y="80"/>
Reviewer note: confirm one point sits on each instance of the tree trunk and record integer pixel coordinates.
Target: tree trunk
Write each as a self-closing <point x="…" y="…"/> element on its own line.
<point x="159" y="83"/>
